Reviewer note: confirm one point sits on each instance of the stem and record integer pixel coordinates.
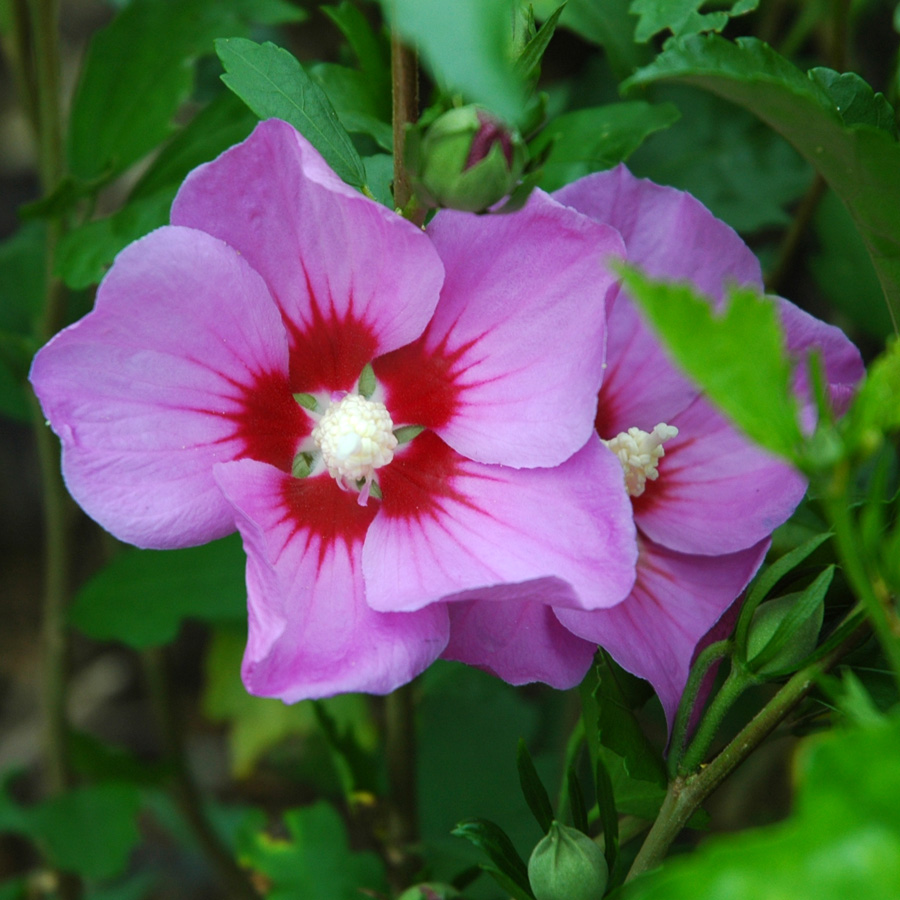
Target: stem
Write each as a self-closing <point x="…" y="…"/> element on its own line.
<point x="184" y="789"/>
<point x="687" y="792"/>
<point x="405" y="98"/>
<point x="402" y="802"/>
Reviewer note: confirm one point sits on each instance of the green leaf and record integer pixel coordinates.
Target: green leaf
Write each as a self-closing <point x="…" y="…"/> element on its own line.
<point x="859" y="162"/>
<point x="90" y="830"/>
<point x="494" y="841"/>
<point x="141" y="597"/>
<point x="876" y="409"/>
<point x="855" y="100"/>
<point x="711" y="347"/>
<point x="532" y="788"/>
<point x="315" y="860"/>
<point x="274" y="85"/>
<point x="85" y="253"/>
<point x="576" y="801"/>
<point x="841" y="841"/>
<point x="529" y="60"/>
<point x="468" y="45"/>
<point x="589" y="140"/>
<point x="683" y="17"/>
<point x="609" y="815"/>
<point x="350" y="94"/>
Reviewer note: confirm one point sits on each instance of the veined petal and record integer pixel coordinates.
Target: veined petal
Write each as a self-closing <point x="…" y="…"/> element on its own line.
<point x="509" y="367"/>
<point x="717" y="491"/>
<point x="675" y="601"/>
<point x="667" y="232"/>
<point x="182" y="363"/>
<point x="448" y="524"/>
<point x="353" y="279"/>
<point x="511" y="632"/>
<point x="311" y="632"/>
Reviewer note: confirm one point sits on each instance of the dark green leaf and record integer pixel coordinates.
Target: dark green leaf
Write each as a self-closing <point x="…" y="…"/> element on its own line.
<point x="90" y="830"/>
<point x="711" y="347"/>
<point x="222" y="123"/>
<point x="380" y="177"/>
<point x="274" y="85"/>
<point x="855" y="100"/>
<point x="609" y="815"/>
<point x="589" y="140"/>
<point x="499" y="848"/>
<point x="529" y="60"/>
<point x="683" y="17"/>
<point x="350" y="94"/>
<point x="532" y="788"/>
<point x="315" y="861"/>
<point x="143" y="595"/>
<point x="859" y="162"/>
<point x="840" y="842"/>
<point x="468" y="45"/>
<point x="576" y="801"/>
<point x="86" y="252"/>
<point x="343" y="737"/>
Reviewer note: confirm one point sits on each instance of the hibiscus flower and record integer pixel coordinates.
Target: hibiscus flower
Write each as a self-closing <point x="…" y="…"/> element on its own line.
<point x="389" y="418"/>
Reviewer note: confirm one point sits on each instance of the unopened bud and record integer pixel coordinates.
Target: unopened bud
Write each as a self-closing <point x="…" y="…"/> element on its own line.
<point x="567" y="865"/>
<point x="466" y="160"/>
<point x="764" y="624"/>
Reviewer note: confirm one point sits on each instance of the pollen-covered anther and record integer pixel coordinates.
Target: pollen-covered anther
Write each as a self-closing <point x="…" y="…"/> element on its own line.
<point x="640" y="452"/>
<point x="355" y="437"/>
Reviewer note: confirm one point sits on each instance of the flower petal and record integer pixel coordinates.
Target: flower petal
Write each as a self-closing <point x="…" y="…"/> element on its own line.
<point x="311" y="632"/>
<point x="183" y="363"/>
<point x="717" y="492"/>
<point x="511" y="632"/>
<point x="352" y="278"/>
<point x="672" y="236"/>
<point x="448" y="524"/>
<point x="675" y="601"/>
<point x="509" y="367"/>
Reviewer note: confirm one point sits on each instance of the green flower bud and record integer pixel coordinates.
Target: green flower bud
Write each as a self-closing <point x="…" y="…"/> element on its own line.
<point x="430" y="891"/>
<point x="766" y="619"/>
<point x="567" y="865"/>
<point x="466" y="159"/>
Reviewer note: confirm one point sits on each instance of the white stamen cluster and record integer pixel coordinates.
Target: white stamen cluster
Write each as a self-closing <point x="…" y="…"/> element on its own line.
<point x="355" y="437"/>
<point x="640" y="452"/>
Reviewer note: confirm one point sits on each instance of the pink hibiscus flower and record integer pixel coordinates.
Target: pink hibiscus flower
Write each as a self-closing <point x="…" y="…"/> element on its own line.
<point x="223" y="381"/>
<point x="705" y="499"/>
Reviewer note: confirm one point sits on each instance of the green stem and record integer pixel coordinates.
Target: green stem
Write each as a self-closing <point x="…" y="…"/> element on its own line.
<point x="735" y="685"/>
<point x="402" y="800"/>
<point x="184" y="789"/>
<point x="687" y="792"/>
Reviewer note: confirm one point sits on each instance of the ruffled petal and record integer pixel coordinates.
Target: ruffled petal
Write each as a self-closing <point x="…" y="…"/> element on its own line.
<point x="511" y="632"/>
<point x="448" y="524"/>
<point x="717" y="492"/>
<point x="509" y="367"/>
<point x="352" y="278"/>
<point x="183" y="363"/>
<point x="675" y="601"/>
<point x="311" y="632"/>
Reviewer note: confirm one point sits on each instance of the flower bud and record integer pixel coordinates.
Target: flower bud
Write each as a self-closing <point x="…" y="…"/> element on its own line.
<point x="765" y="622"/>
<point x="567" y="865"/>
<point x="466" y="159"/>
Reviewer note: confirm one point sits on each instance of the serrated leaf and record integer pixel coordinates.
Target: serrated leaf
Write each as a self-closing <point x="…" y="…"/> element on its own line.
<point x="859" y="162"/>
<point x="274" y="85"/>
<point x="752" y="389"/>
<point x="589" y="140"/>
<point x="532" y="788"/>
<point x="142" y="596"/>
<point x="855" y="100"/>
<point x="492" y="839"/>
<point x="683" y="17"/>
<point x="467" y="43"/>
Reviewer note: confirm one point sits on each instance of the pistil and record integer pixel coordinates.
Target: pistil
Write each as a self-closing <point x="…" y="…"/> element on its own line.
<point x="639" y="453"/>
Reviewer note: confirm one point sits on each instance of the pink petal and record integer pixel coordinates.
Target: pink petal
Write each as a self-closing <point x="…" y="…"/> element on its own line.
<point x="511" y="632"/>
<point x="352" y="278"/>
<point x="183" y="363"/>
<point x="311" y="632"/>
<point x="675" y="601"/>
<point x="672" y="236"/>
<point x="508" y="370"/>
<point x="717" y="492"/>
<point x="448" y="524"/>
